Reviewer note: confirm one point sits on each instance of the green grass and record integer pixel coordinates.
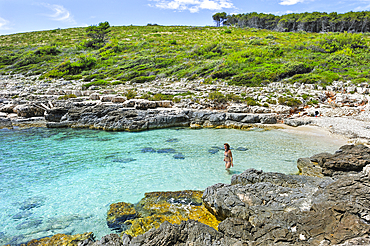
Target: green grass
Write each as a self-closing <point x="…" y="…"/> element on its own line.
<point x="248" y="57"/>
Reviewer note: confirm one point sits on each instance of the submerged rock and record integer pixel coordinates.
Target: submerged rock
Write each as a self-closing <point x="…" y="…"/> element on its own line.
<point x="213" y="151"/>
<point x="172" y="140"/>
<point x="62" y="240"/>
<point x="32" y="202"/>
<point x="179" y="156"/>
<point x="33" y="223"/>
<point x="241" y="149"/>
<point x="127" y="160"/>
<point x="22" y="215"/>
<point x="166" y="151"/>
<point x="148" y="150"/>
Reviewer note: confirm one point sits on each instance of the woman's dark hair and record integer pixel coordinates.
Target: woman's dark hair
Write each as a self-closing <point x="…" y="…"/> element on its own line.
<point x="227" y="146"/>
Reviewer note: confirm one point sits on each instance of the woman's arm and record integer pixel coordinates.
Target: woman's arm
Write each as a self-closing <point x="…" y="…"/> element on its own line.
<point x="231" y="158"/>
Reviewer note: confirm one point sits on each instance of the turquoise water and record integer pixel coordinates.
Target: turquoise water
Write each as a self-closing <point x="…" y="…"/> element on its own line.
<point x="63" y="180"/>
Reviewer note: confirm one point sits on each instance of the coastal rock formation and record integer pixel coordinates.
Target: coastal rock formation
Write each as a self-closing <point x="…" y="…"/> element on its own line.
<point x="61" y="240"/>
<point x="295" y="210"/>
<point x="145" y="116"/>
<point x="188" y="232"/>
<point x="348" y="159"/>
<point x="156" y="208"/>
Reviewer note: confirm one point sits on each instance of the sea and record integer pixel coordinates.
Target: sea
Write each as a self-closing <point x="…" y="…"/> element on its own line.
<point x="64" y="180"/>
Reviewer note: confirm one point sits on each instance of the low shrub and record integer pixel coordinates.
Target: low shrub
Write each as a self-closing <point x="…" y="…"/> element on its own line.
<point x="217" y="97"/>
<point x="251" y="102"/>
<point x="291" y="102"/>
<point x="96" y="83"/>
<point x="130" y="94"/>
<point x="143" y="79"/>
<point x="66" y="97"/>
<point x="47" y="50"/>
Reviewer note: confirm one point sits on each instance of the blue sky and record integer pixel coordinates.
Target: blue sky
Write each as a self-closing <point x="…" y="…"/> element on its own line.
<point x="29" y="15"/>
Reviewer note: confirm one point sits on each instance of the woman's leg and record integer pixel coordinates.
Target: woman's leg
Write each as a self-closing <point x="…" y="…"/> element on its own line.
<point x="227" y="165"/>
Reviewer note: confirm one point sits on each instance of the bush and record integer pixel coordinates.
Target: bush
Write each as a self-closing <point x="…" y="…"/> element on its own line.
<point x="47" y="50"/>
<point x="65" y="97"/>
<point x="233" y="97"/>
<point x="339" y="59"/>
<point x="251" y="102"/>
<point x="291" y="102"/>
<point x="217" y="97"/>
<point x="251" y="79"/>
<point x="84" y="62"/>
<point x="143" y="79"/>
<point x="161" y="97"/>
<point x="96" y="83"/>
<point x="292" y="68"/>
<point x="130" y="94"/>
<point x="172" y="42"/>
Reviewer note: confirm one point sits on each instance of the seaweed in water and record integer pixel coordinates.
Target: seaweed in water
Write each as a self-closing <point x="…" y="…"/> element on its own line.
<point x="166" y="151"/>
<point x="179" y="156"/>
<point x="22" y="215"/>
<point x="127" y="160"/>
<point x="213" y="151"/>
<point x="148" y="150"/>
<point x="32" y="202"/>
<point x="241" y="149"/>
<point x="28" y="224"/>
<point x="172" y="140"/>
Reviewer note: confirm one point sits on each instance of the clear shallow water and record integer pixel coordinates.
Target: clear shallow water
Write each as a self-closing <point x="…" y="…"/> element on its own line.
<point x="63" y="180"/>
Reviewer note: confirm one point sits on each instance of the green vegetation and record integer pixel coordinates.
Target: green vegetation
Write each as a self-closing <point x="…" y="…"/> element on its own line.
<point x="65" y="97"/>
<point x="140" y="54"/>
<point x="303" y="22"/>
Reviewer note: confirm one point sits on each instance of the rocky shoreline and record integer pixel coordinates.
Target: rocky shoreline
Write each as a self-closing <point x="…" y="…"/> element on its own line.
<point x="29" y="102"/>
<point x="328" y="204"/>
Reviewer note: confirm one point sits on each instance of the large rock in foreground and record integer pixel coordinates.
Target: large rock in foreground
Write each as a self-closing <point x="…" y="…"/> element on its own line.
<point x="283" y="209"/>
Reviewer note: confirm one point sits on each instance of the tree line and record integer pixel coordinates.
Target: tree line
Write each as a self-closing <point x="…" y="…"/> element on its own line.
<point x="354" y="22"/>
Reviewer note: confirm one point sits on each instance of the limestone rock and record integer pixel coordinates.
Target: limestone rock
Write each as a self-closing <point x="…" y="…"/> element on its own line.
<point x="187" y="233"/>
<point x="308" y="168"/>
<point x="95" y="96"/>
<point x="108" y="240"/>
<point x="55" y="114"/>
<point x="28" y="111"/>
<point x="61" y="240"/>
<point x="349" y="158"/>
<point x="156" y="208"/>
<point x="119" y="99"/>
<point x="107" y="98"/>
<point x="118" y="213"/>
<point x="296" y="122"/>
<point x="5" y="123"/>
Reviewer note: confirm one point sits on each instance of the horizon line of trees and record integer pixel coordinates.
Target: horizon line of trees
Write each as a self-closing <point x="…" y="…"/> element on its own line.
<point x="354" y="22"/>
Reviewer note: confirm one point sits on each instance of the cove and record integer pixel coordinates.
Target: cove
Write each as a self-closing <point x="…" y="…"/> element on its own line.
<point x="63" y="180"/>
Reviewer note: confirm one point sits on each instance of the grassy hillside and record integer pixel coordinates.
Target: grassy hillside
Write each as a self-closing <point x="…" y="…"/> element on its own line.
<point x="239" y="56"/>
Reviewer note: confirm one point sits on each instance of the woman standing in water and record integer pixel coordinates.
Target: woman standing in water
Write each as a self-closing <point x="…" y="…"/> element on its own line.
<point x="228" y="157"/>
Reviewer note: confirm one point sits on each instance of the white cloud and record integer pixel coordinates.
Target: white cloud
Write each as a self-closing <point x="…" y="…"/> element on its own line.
<point x="4" y="24"/>
<point x="366" y="8"/>
<point x="59" y="13"/>
<point x="193" y="5"/>
<point x="291" y="2"/>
